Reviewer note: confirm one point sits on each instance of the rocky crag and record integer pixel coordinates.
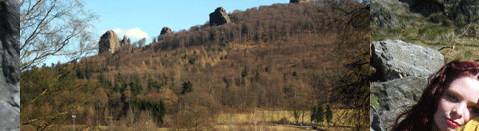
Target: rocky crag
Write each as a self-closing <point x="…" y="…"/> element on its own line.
<point x="109" y="42"/>
<point x="219" y="17"/>
<point x="10" y="65"/>
<point x="165" y="30"/>
<point x="461" y="12"/>
<point x="402" y="69"/>
<point x="125" y="41"/>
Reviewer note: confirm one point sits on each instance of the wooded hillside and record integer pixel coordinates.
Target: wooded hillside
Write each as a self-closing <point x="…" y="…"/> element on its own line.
<point x="278" y="57"/>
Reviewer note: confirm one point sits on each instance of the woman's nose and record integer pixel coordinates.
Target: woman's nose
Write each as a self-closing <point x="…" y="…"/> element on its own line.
<point x="458" y="111"/>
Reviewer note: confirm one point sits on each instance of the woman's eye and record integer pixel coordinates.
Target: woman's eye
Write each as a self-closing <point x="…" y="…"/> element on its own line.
<point x="452" y="97"/>
<point x="474" y="109"/>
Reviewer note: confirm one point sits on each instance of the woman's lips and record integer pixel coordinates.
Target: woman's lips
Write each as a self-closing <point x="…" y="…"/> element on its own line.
<point x="452" y="123"/>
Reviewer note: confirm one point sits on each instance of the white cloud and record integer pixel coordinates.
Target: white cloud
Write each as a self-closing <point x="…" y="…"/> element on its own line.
<point x="133" y="33"/>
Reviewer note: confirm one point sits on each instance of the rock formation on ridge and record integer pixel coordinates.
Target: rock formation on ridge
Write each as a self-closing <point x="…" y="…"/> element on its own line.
<point x="219" y="17"/>
<point x="125" y="41"/>
<point x="165" y="30"/>
<point x="108" y="42"/>
<point x="10" y="65"/>
<point x="298" y="1"/>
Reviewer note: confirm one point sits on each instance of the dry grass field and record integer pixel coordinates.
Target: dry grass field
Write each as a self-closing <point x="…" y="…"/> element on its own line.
<point x="266" y="117"/>
<point x="260" y="120"/>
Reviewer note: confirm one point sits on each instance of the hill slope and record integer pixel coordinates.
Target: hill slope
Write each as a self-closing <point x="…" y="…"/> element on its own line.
<point x="278" y="57"/>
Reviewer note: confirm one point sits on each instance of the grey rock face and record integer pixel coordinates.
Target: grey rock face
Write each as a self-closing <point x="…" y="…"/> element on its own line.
<point x="10" y="66"/>
<point x="461" y="10"/>
<point x="383" y="17"/>
<point x="396" y="59"/>
<point x="108" y="42"/>
<point x="165" y="30"/>
<point x="219" y="17"/>
<point x="389" y="99"/>
<point x="405" y="68"/>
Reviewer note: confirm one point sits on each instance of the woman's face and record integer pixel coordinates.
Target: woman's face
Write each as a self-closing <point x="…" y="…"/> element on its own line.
<point x="458" y="104"/>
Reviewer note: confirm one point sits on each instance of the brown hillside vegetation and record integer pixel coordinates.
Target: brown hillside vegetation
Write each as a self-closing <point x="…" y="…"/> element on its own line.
<point x="280" y="57"/>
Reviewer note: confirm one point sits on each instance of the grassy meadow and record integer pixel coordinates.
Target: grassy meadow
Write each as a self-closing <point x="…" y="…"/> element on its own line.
<point x="260" y="120"/>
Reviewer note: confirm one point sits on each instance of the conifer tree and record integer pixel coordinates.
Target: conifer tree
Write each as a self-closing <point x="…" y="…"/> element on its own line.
<point x="313" y="114"/>
<point x="187" y="87"/>
<point x="329" y="114"/>
<point x="320" y="114"/>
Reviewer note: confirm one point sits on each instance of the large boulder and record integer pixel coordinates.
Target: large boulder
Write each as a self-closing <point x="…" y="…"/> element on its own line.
<point x="10" y="65"/>
<point x="396" y="59"/>
<point x="405" y="68"/>
<point x="219" y="17"/>
<point x="165" y="30"/>
<point x="108" y="42"/>
<point x="389" y="99"/>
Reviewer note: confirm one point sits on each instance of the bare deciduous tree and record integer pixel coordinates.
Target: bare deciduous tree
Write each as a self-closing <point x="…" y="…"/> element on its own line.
<point x="54" y="28"/>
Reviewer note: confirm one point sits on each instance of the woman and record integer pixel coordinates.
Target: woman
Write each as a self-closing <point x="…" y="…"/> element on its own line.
<point x="472" y="125"/>
<point x="448" y="102"/>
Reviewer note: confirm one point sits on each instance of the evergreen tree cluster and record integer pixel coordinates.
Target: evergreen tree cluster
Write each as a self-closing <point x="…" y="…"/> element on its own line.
<point x="158" y="109"/>
<point x="318" y="114"/>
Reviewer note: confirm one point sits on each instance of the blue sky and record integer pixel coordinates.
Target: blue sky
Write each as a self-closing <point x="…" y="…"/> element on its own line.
<point x="145" y="18"/>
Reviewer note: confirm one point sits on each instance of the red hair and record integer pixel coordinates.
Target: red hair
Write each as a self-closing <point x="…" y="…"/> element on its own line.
<point x="420" y="116"/>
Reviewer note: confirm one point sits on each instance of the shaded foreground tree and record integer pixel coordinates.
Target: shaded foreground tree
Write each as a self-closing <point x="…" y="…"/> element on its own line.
<point x="52" y="28"/>
<point x="349" y="81"/>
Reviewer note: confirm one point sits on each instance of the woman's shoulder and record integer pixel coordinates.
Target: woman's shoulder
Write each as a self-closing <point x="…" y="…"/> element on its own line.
<point x="472" y="125"/>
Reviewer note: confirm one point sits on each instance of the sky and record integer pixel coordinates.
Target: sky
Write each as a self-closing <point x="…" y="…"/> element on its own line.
<point x="145" y="18"/>
<point x="139" y="19"/>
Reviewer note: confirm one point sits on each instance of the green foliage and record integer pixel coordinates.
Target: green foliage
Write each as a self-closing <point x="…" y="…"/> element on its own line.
<point x="433" y="32"/>
<point x="158" y="109"/>
<point x="374" y="101"/>
<point x="136" y="87"/>
<point x="244" y="73"/>
<point x="314" y="111"/>
<point x="81" y="73"/>
<point x="440" y="18"/>
<point x="329" y="114"/>
<point x="187" y="87"/>
<point x="116" y="87"/>
<point x="155" y="84"/>
<point x="257" y="78"/>
<point x="320" y="114"/>
<point x="192" y="61"/>
<point x="104" y="81"/>
<point x="123" y="86"/>
<point x="317" y="114"/>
